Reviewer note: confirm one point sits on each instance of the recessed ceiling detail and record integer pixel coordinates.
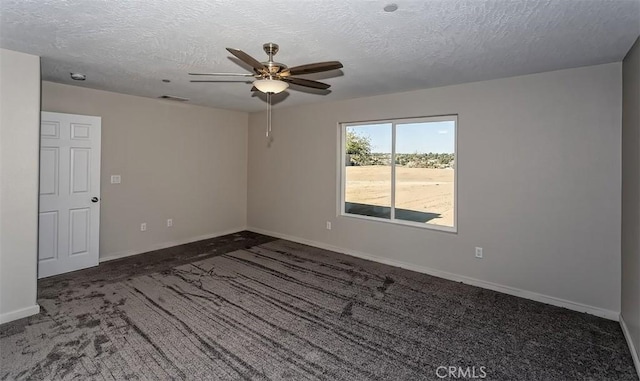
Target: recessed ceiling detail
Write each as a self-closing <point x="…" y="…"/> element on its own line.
<point x="125" y="46"/>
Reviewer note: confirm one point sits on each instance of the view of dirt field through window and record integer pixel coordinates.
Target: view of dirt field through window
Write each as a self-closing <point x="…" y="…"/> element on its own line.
<point x="428" y="192"/>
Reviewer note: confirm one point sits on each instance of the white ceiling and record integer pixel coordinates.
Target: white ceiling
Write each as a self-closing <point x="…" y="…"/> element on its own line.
<point x="128" y="46"/>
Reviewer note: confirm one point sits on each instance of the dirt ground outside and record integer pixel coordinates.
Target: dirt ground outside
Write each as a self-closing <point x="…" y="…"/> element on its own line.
<point x="423" y="190"/>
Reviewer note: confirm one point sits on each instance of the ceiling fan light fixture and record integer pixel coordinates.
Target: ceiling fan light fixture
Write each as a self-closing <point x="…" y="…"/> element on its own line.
<point x="270" y="85"/>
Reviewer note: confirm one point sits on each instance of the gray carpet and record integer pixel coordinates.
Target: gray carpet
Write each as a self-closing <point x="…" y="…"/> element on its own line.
<point x="247" y="306"/>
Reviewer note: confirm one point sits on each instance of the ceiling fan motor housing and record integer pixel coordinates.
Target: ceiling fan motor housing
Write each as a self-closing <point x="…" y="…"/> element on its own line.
<point x="272" y="67"/>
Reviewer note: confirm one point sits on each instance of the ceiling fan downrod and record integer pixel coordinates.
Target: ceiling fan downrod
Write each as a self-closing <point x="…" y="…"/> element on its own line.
<point x="271" y="49"/>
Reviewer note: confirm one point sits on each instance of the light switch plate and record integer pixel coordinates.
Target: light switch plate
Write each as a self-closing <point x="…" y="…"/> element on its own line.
<point x="115" y="179"/>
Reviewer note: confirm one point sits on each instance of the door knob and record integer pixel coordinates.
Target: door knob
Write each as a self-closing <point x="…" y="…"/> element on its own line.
<point x="94" y="199"/>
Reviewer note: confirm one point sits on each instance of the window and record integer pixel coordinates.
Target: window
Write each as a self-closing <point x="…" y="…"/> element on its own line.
<point x="400" y="171"/>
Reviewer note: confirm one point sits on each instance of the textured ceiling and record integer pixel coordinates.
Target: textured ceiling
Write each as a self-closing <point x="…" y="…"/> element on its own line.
<point x="129" y="46"/>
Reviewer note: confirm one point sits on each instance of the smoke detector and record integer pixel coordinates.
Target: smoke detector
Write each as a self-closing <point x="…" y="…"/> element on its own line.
<point x="391" y="7"/>
<point x="78" y="76"/>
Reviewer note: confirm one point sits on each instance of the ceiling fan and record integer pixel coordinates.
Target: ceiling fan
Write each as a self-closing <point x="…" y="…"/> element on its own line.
<point x="274" y="77"/>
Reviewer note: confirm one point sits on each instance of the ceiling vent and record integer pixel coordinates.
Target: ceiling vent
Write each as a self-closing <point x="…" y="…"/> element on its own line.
<point x="173" y="98"/>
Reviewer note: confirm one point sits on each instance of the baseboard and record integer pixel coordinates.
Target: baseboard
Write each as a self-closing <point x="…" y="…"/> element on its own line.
<point x="164" y="245"/>
<point x="19" y="314"/>
<point x="558" y="302"/>
<point x="632" y="348"/>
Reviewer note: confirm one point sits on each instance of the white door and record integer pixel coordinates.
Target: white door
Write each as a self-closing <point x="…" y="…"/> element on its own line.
<point x="69" y="221"/>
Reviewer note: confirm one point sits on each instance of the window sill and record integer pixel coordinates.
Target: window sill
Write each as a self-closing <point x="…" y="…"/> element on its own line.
<point x="440" y="228"/>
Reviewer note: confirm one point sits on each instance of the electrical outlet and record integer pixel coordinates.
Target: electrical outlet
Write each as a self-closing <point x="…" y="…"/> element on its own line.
<point x="478" y="252"/>
<point x="169" y="222"/>
<point x="328" y="225"/>
<point x="143" y="227"/>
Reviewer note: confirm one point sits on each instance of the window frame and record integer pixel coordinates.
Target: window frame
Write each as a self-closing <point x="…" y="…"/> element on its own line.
<point x="342" y="128"/>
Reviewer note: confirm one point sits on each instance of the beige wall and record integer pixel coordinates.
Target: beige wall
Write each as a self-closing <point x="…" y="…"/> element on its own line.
<point x="538" y="184"/>
<point x="177" y="161"/>
<point x="19" y="142"/>
<point x="631" y="198"/>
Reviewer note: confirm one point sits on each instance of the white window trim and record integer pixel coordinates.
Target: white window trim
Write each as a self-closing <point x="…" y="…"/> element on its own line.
<point x="342" y="127"/>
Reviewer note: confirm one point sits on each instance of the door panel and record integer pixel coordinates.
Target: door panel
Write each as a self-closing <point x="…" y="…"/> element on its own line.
<point x="80" y="169"/>
<point x="49" y="170"/>
<point x="69" y="178"/>
<point x="50" y="129"/>
<point x="48" y="233"/>
<point x="79" y="219"/>
<point x="80" y="131"/>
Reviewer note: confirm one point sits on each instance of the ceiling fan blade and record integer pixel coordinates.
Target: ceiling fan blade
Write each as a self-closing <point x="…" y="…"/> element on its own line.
<point x="225" y="74"/>
<point x="218" y="81"/>
<point x="312" y="68"/>
<point x="244" y="57"/>
<point x="307" y="83"/>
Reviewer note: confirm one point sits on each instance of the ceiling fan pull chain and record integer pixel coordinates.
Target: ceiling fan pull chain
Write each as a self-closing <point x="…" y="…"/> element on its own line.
<point x="268" y="114"/>
<point x="270" y="111"/>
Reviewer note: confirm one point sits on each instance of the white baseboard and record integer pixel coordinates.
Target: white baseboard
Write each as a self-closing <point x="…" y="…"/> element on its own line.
<point x="164" y="245"/>
<point x="19" y="314"/>
<point x="632" y="348"/>
<point x="558" y="302"/>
